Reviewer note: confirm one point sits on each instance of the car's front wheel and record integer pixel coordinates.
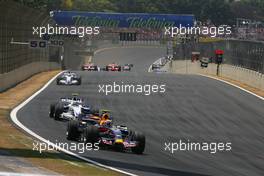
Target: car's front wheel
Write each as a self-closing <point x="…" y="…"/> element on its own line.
<point x="72" y="130"/>
<point x="91" y="134"/>
<point x="140" y="141"/>
<point x="58" y="111"/>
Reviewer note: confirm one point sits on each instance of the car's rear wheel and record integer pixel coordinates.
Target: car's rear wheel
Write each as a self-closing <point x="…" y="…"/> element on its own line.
<point x="58" y="81"/>
<point x="140" y="140"/>
<point x="95" y="111"/>
<point x="91" y="134"/>
<point x="79" y="79"/>
<point x="52" y="110"/>
<point x="72" y="130"/>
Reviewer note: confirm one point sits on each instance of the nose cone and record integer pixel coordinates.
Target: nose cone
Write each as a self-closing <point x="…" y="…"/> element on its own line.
<point x="68" y="79"/>
<point x="119" y="141"/>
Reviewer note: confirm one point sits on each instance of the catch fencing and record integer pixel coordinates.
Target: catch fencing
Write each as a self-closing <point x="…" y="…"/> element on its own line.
<point x="17" y="60"/>
<point x="16" y="22"/>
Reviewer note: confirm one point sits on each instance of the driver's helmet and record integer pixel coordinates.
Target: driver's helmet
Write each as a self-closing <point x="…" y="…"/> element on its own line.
<point x="75" y="104"/>
<point x="105" y="116"/>
<point x="106" y="123"/>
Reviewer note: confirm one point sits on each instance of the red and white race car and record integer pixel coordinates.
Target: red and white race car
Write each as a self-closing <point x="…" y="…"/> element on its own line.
<point x="113" y="67"/>
<point x="90" y="67"/>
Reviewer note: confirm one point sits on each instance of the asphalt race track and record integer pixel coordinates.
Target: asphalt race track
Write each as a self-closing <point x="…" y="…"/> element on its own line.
<point x="193" y="108"/>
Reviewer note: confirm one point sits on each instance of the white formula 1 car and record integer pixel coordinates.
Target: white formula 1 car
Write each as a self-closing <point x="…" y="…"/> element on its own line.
<point x="69" y="78"/>
<point x="69" y="109"/>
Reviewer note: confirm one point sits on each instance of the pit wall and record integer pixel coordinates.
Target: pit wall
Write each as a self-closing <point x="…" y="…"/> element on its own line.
<point x="22" y="73"/>
<point x="245" y="76"/>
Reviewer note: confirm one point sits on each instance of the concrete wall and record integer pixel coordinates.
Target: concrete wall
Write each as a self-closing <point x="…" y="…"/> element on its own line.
<point x="246" y="54"/>
<point x="10" y="79"/>
<point x="246" y="76"/>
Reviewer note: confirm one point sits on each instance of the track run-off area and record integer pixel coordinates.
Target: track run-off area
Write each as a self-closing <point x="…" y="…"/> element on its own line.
<point x="193" y="108"/>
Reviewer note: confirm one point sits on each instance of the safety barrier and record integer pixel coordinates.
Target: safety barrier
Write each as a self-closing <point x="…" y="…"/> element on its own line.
<point x="13" y="77"/>
<point x="245" y="54"/>
<point x="243" y="75"/>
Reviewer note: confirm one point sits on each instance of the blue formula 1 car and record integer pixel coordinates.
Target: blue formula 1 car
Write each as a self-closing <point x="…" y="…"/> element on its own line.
<point x="89" y="129"/>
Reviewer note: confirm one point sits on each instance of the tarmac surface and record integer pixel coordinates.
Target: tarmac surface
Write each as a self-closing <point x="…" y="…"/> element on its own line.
<point x="192" y="109"/>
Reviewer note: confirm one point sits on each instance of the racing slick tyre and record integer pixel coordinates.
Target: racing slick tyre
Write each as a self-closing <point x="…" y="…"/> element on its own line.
<point x="119" y="68"/>
<point x="91" y="134"/>
<point x="58" y="81"/>
<point x="119" y="147"/>
<point x="79" y="79"/>
<point x="58" y="111"/>
<point x="95" y="111"/>
<point x="106" y="68"/>
<point x="72" y="130"/>
<point x="52" y="110"/>
<point x="140" y="140"/>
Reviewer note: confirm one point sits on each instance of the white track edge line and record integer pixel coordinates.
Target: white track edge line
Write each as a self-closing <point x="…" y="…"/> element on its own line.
<point x="229" y="83"/>
<point x="13" y="116"/>
<point x="21" y="174"/>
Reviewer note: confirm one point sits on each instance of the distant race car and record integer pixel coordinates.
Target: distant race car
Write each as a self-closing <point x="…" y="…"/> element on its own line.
<point x="69" y="109"/>
<point x="90" y="67"/>
<point x="113" y="67"/>
<point x="69" y="78"/>
<point x="91" y="130"/>
<point x="127" y="67"/>
<point x="155" y="66"/>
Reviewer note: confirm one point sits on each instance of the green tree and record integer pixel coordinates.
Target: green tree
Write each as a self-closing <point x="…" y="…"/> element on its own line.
<point x="94" y="5"/>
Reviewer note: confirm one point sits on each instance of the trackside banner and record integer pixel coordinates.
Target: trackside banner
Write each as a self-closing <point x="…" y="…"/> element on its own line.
<point x="121" y="20"/>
